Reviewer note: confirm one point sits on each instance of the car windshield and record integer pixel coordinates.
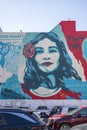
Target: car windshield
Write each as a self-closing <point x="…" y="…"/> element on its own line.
<point x="42" y="107"/>
<point x="73" y="111"/>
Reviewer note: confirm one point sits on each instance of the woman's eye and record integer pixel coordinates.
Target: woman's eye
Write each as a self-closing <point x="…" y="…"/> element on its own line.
<point x="53" y="50"/>
<point x="39" y="51"/>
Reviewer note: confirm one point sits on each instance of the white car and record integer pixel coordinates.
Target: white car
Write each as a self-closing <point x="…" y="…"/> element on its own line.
<point x="61" y="110"/>
<point x="42" y="111"/>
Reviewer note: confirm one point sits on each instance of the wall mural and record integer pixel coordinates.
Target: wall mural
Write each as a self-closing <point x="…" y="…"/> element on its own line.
<point x="45" y="65"/>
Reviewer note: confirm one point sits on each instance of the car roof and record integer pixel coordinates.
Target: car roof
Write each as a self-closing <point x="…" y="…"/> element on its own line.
<point x="41" y="107"/>
<point x="14" y="110"/>
<point x="70" y="106"/>
<point x="65" y="106"/>
<point x="10" y="110"/>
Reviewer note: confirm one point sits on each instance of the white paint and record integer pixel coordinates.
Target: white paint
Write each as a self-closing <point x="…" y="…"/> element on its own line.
<point x="33" y="104"/>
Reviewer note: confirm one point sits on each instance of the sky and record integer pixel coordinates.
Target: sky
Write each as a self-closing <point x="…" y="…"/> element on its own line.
<point x="41" y="15"/>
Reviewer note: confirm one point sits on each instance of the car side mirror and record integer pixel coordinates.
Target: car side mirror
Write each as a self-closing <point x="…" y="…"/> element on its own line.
<point x="78" y="115"/>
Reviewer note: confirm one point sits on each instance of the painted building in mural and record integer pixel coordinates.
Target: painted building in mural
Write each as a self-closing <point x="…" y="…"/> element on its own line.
<point x="44" y="65"/>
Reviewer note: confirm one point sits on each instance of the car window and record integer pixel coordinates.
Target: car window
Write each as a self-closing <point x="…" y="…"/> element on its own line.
<point x="15" y="118"/>
<point x="57" y="109"/>
<point x="73" y="111"/>
<point x="45" y="107"/>
<point x="2" y="119"/>
<point x="42" y="107"/>
<point x="83" y="112"/>
<point x="70" y="109"/>
<point x="64" y="110"/>
<point x="32" y="115"/>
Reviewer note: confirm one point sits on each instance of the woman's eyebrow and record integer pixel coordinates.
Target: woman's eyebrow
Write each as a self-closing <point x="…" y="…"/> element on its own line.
<point x="38" y="48"/>
<point x="52" y="47"/>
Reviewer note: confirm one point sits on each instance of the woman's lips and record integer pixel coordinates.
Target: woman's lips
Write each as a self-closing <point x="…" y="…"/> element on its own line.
<point x="47" y="63"/>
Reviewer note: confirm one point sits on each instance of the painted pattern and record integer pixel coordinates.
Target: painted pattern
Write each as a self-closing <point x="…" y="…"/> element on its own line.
<point x="44" y="65"/>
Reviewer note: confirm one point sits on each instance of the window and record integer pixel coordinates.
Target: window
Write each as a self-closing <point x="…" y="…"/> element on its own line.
<point x="83" y="112"/>
<point x="70" y="109"/>
<point x="2" y="119"/>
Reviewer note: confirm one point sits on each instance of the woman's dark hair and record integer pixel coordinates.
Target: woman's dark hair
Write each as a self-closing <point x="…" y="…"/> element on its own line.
<point x="34" y="77"/>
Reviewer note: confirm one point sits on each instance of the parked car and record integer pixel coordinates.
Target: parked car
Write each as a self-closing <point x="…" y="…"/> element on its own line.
<point x="42" y="111"/>
<point x="15" y="119"/>
<point x="55" y="110"/>
<point x="61" y="110"/>
<point x="80" y="127"/>
<point x="73" y="118"/>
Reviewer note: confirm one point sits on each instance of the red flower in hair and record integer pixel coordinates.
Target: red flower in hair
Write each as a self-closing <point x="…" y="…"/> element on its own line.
<point x="29" y="50"/>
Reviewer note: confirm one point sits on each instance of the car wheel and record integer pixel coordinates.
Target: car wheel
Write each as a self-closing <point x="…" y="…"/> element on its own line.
<point x="64" y="127"/>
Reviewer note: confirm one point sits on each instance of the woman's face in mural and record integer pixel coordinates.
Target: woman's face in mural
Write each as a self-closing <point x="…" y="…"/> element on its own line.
<point x="47" y="55"/>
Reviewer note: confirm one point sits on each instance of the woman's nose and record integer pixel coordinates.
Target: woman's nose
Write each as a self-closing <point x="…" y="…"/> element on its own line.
<point x="46" y="55"/>
<point x="46" y="58"/>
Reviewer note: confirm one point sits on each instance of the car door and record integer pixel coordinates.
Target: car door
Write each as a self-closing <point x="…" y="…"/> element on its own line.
<point x="83" y="113"/>
<point x="80" y="117"/>
<point x="2" y="120"/>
